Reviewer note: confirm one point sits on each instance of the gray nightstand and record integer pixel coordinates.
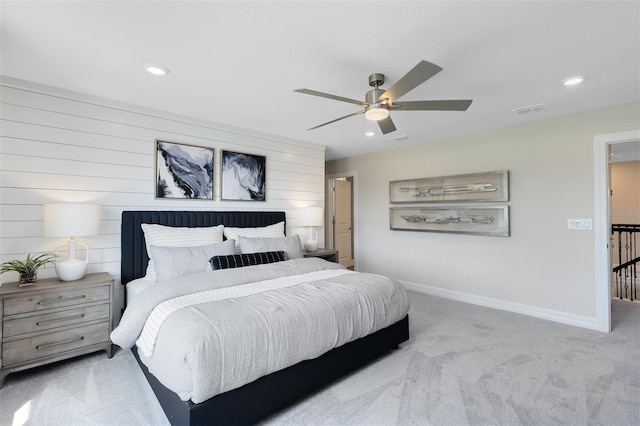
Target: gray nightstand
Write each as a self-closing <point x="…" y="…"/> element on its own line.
<point x="328" y="254"/>
<point x="54" y="320"/>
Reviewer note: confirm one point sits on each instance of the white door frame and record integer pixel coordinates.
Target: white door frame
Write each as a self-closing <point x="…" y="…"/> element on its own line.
<point x="602" y="220"/>
<point x="354" y="206"/>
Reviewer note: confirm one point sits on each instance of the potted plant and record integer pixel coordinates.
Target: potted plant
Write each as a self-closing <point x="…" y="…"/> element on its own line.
<point x="28" y="268"/>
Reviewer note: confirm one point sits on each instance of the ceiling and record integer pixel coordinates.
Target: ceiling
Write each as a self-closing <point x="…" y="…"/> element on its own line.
<point x="237" y="63"/>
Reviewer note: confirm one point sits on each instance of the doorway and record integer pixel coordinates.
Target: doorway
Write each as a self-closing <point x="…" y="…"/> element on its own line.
<point x="624" y="173"/>
<point x="340" y="221"/>
<point x="602" y="221"/>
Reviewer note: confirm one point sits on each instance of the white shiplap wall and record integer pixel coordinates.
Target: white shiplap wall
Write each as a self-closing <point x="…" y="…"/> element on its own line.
<point x="59" y="146"/>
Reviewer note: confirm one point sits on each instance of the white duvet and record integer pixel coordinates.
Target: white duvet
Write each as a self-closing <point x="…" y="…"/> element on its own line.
<point x="275" y="316"/>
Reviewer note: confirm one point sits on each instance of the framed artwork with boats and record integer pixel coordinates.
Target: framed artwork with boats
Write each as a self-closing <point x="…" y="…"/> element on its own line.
<point x="476" y="187"/>
<point x="473" y="219"/>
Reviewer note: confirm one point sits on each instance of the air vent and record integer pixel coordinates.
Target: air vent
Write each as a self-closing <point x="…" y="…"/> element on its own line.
<point x="399" y="138"/>
<point x="531" y="108"/>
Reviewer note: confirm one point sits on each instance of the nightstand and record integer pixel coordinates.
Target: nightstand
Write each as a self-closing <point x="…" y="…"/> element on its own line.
<point x="326" y="254"/>
<point x="54" y="320"/>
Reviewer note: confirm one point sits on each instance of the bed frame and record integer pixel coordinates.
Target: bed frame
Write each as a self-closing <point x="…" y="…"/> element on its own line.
<point x="257" y="400"/>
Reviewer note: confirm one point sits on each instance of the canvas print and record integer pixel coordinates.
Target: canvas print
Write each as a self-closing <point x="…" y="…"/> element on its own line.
<point x="490" y="186"/>
<point x="183" y="171"/>
<point x="478" y="220"/>
<point x="243" y="176"/>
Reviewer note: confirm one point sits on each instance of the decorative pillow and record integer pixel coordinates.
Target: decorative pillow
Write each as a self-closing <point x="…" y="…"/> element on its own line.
<point x="246" y="259"/>
<point x="271" y="231"/>
<point x="170" y="236"/>
<point x="290" y="245"/>
<point x="170" y="262"/>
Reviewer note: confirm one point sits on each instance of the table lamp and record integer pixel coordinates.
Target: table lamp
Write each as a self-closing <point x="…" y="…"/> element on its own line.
<point x="71" y="220"/>
<point x="310" y="217"/>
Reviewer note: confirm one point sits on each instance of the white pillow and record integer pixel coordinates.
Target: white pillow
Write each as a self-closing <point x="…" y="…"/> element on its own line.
<point x="289" y="245"/>
<point x="170" y="262"/>
<point x="271" y="231"/>
<point x="170" y="236"/>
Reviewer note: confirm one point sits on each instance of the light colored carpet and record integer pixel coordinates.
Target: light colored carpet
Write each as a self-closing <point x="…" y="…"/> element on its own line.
<point x="464" y="365"/>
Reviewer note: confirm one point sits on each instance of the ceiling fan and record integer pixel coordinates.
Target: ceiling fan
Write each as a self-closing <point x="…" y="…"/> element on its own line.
<point x="379" y="102"/>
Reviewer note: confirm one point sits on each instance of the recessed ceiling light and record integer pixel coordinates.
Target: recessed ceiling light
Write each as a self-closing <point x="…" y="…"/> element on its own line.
<point x="572" y="81"/>
<point x="157" y="69"/>
<point x="370" y="133"/>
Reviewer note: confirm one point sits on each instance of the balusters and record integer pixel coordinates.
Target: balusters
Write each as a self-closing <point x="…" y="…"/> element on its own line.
<point x="626" y="272"/>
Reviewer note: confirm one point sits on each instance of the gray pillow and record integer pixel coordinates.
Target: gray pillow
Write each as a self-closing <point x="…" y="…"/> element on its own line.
<point x="171" y="262"/>
<point x="290" y="245"/>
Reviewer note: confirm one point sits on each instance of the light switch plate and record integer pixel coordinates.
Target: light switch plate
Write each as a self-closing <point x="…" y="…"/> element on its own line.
<point x="583" y="224"/>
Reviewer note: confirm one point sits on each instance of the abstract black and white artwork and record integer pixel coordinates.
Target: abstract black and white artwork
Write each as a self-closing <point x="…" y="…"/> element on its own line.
<point x="243" y="176"/>
<point x="183" y="171"/>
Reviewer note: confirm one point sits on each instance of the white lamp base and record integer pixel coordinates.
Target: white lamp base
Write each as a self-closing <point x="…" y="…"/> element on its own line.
<point x="311" y="240"/>
<point x="73" y="268"/>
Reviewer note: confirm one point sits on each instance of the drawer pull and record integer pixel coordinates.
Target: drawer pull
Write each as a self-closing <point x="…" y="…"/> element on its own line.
<point x="64" y="342"/>
<point x="60" y="299"/>
<point x="53" y="321"/>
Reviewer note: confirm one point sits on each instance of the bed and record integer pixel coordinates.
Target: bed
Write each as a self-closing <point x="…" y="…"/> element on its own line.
<point x="264" y="396"/>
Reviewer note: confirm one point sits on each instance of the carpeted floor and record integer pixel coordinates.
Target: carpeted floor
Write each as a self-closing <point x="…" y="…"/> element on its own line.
<point x="464" y="365"/>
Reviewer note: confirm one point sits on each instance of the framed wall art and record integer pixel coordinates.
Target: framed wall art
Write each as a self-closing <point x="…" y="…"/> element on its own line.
<point x="477" y="187"/>
<point x="243" y="176"/>
<point x="477" y="220"/>
<point x="184" y="171"/>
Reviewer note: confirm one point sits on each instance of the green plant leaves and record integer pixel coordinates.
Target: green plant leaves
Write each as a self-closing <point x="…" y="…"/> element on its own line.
<point x="30" y="265"/>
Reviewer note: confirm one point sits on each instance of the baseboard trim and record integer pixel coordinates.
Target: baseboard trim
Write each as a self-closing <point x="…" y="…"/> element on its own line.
<point x="590" y="323"/>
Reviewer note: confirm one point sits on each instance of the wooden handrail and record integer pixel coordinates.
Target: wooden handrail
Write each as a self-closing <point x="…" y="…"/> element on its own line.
<point x="625" y="227"/>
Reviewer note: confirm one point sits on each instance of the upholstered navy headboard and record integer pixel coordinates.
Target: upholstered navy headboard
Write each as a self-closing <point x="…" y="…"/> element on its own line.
<point x="134" y="251"/>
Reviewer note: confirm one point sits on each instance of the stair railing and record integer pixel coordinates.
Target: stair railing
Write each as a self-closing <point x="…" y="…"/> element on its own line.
<point x="625" y="239"/>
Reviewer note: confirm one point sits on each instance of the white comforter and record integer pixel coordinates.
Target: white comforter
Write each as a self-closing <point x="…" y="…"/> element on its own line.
<point x="211" y="347"/>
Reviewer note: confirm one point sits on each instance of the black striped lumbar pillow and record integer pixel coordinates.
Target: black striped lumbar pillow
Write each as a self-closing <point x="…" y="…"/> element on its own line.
<point x="245" y="259"/>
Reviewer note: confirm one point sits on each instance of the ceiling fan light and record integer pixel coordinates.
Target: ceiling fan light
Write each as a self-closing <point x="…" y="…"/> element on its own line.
<point x="376" y="113"/>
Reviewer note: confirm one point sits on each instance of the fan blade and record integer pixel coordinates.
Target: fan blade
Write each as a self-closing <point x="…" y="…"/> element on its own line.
<point x="418" y="75"/>
<point x="329" y="96"/>
<point x="452" y="105"/>
<point x="337" y="119"/>
<point x="387" y="125"/>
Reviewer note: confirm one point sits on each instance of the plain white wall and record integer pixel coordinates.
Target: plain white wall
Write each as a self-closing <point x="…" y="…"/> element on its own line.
<point x="542" y="265"/>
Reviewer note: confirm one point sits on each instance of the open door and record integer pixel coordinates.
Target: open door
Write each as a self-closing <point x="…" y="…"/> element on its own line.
<point x="610" y="246"/>
<point x="340" y="207"/>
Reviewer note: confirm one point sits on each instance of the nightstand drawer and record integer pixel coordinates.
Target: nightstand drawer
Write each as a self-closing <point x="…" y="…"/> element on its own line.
<point x="55" y="299"/>
<point x="17" y="351"/>
<point x="15" y="326"/>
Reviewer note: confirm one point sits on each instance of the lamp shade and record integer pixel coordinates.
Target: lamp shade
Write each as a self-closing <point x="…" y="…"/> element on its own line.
<point x="312" y="216"/>
<point x="71" y="220"/>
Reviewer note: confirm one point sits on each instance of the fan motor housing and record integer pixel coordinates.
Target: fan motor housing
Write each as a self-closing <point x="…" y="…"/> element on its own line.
<point x="372" y="96"/>
<point x="376" y="80"/>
